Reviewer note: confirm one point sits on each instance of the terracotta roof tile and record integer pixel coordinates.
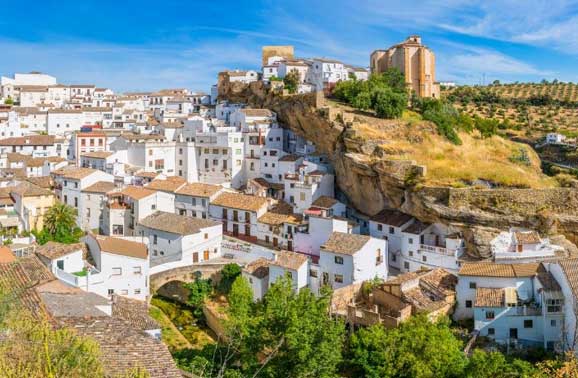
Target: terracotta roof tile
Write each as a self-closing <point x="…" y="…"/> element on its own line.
<point x="324" y="202"/>
<point x="137" y="192"/>
<point x="170" y="184"/>
<point x="289" y="260"/>
<point x="499" y="270"/>
<point x="118" y="246"/>
<point x="393" y="218"/>
<point x="54" y="250"/>
<point x="30" y="140"/>
<point x="347" y="244"/>
<point x="197" y="189"/>
<point x="240" y="201"/>
<point x="100" y="187"/>
<point x="176" y="224"/>
<point x="258" y="268"/>
<point x="74" y="173"/>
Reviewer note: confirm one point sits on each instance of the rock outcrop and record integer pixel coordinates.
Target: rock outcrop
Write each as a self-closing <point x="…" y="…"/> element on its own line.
<point x="372" y="183"/>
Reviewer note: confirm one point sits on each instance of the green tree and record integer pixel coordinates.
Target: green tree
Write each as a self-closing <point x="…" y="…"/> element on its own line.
<point x="416" y="349"/>
<point x="495" y="365"/>
<point x="59" y="225"/>
<point x="199" y="290"/>
<point x="289" y="334"/>
<point x="388" y="103"/>
<point x="291" y="81"/>
<point x="229" y="274"/>
<point x="9" y="101"/>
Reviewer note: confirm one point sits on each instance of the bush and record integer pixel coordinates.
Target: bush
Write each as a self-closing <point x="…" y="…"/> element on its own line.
<point x="385" y="94"/>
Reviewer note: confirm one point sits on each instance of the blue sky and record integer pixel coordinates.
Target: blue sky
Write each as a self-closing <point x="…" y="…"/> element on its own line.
<point x="146" y="45"/>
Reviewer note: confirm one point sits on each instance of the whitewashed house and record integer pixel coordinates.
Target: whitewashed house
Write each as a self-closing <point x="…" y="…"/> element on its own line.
<point x="176" y="241"/>
<point x="520" y="246"/>
<point x="305" y="186"/>
<point x="388" y="225"/>
<point x="94" y="199"/>
<point x="257" y="275"/>
<point x="35" y="145"/>
<point x="519" y="304"/>
<point x="238" y="213"/>
<point x="131" y="204"/>
<point x="63" y="258"/>
<point x="430" y="246"/>
<point x="325" y="73"/>
<point x="565" y="272"/>
<point x="122" y="266"/>
<point x="292" y="265"/>
<point x="193" y="199"/>
<point x="69" y="183"/>
<point x="347" y="259"/>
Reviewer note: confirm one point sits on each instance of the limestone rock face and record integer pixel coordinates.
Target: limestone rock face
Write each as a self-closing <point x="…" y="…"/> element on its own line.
<point x="372" y="183"/>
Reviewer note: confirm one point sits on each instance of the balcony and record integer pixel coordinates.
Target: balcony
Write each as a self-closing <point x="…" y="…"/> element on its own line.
<point x="438" y="250"/>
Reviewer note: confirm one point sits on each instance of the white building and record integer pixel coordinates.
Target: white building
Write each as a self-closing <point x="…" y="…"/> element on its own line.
<point x="238" y="213"/>
<point x="325" y="73"/>
<point x="193" y="199"/>
<point x="71" y="181"/>
<point x="347" y="259"/>
<point x="555" y="138"/>
<point x="565" y="272"/>
<point x="292" y="265"/>
<point x="122" y="266"/>
<point x="519" y="304"/>
<point x="94" y="200"/>
<point x="520" y="246"/>
<point x="35" y="145"/>
<point x="257" y="275"/>
<point x="176" y="241"/>
<point x="243" y="76"/>
<point x="388" y="225"/>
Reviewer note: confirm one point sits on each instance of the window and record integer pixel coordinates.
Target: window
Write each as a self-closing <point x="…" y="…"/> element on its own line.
<point x="313" y="273"/>
<point x="424" y="258"/>
<point x="410" y="241"/>
<point x="110" y="291"/>
<point x="338" y="278"/>
<point x="406" y="265"/>
<point x="136" y="291"/>
<point x="206" y="236"/>
<point x="379" y="227"/>
<point x="490" y="315"/>
<point x="150" y="152"/>
<point x="391" y="230"/>
<point x="339" y="260"/>
<point x="491" y="331"/>
<point x="528" y="323"/>
<point x="116" y="271"/>
<point x="124" y="292"/>
<point x="472" y="285"/>
<point x="136" y="270"/>
<point x="153" y="207"/>
<point x="468" y="304"/>
<point x="117" y="229"/>
<point x="159" y="164"/>
<point x="301" y="196"/>
<point x="553" y="323"/>
<point x="155" y="239"/>
<point x="378" y="257"/>
<point x="410" y="253"/>
<point x="75" y="202"/>
<point x="393" y="258"/>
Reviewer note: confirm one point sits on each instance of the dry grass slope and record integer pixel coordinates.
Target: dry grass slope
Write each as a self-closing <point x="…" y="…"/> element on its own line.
<point x="492" y="159"/>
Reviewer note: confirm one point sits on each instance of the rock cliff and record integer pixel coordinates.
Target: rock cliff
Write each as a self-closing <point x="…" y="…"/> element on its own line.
<point x="372" y="182"/>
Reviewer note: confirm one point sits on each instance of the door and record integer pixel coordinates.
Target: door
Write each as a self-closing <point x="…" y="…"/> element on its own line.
<point x="195" y="257"/>
<point x="520" y="248"/>
<point x="235" y="229"/>
<point x="513" y="333"/>
<point x="205" y="255"/>
<point x="275" y="242"/>
<point x="60" y="264"/>
<point x="325" y="278"/>
<point x="290" y="245"/>
<point x="248" y="230"/>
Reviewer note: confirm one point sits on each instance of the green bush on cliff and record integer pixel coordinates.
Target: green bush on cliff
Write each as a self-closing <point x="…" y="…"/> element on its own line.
<point x="383" y="93"/>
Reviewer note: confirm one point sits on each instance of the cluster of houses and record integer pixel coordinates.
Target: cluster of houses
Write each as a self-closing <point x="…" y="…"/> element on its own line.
<point x="173" y="179"/>
<point x="313" y="74"/>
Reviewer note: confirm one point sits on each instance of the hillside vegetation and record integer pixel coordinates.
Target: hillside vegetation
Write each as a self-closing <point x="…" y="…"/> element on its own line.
<point x="476" y="160"/>
<point x="527" y="110"/>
